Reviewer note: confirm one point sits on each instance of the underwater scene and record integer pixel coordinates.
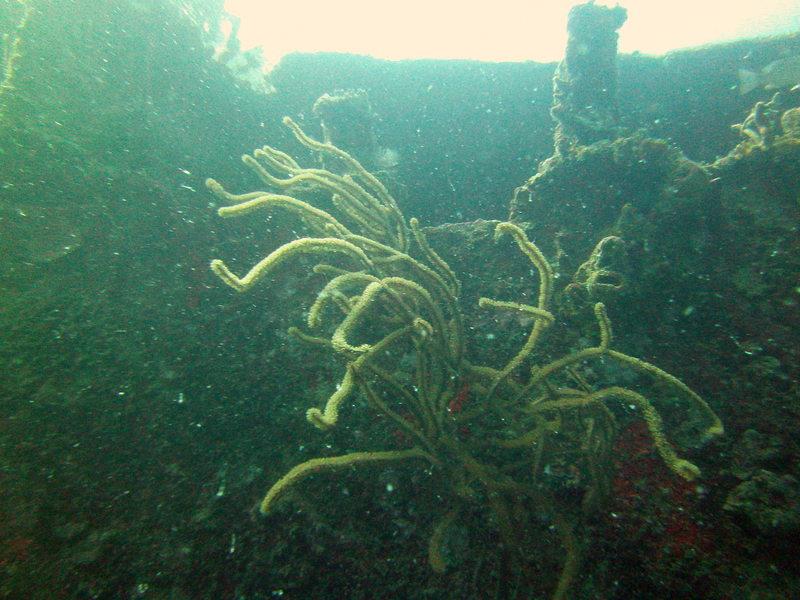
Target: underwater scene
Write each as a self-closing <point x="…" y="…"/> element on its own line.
<point x="353" y="328"/>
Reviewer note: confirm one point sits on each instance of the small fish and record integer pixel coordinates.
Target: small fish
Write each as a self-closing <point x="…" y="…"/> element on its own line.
<point x="456" y="405"/>
<point x="777" y="74"/>
<point x="386" y="158"/>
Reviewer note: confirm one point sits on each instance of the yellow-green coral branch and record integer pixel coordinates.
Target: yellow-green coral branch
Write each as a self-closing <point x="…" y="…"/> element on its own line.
<point x="335" y="285"/>
<point x="603" y="323"/>
<point x="542" y="428"/>
<point x="439" y="288"/>
<point x="714" y="429"/>
<point x="545" y="287"/>
<point x="328" y="418"/>
<point x="280" y="160"/>
<point x="296" y="175"/>
<point x="543" y="318"/>
<point x="527" y="309"/>
<point x="316" y="465"/>
<point x="536" y="257"/>
<point x="318" y="220"/>
<point x="309" y="339"/>
<point x="592" y="276"/>
<point x="435" y="556"/>
<point x="353" y="200"/>
<point x="339" y="339"/>
<point x="295" y="247"/>
<point x="378" y="216"/>
<point x="440" y="328"/>
<point x="655" y="425"/>
<point x="351" y="162"/>
<point x="359" y="215"/>
<point x="400" y="393"/>
<point x="572" y="564"/>
<point x="216" y="188"/>
<point x="365" y="303"/>
<point x="405" y="424"/>
<point x="11" y="54"/>
<point x="393" y="255"/>
<point x="436" y="260"/>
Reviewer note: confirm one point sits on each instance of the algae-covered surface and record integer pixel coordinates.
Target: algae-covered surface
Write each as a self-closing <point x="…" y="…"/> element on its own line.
<point x="493" y="353"/>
